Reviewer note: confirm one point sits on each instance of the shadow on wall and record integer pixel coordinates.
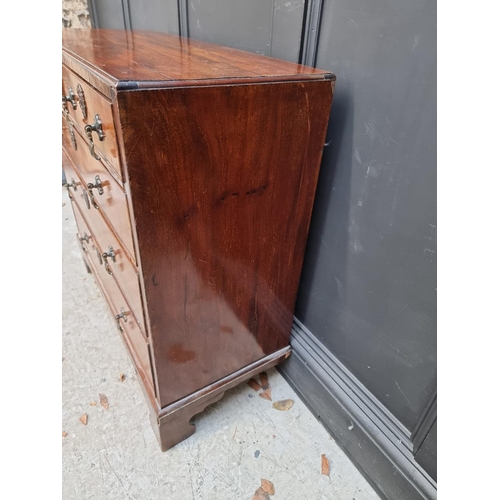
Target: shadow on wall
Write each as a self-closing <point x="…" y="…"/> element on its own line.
<point x="339" y="135"/>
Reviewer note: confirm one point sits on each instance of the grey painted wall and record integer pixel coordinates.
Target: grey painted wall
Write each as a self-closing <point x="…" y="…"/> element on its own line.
<point x="267" y="27"/>
<point x="107" y="14"/>
<point x="368" y="288"/>
<point x="426" y="455"/>
<point x="155" y="15"/>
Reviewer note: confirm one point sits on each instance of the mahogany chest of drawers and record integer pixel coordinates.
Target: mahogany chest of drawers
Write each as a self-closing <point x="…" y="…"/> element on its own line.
<point x="191" y="170"/>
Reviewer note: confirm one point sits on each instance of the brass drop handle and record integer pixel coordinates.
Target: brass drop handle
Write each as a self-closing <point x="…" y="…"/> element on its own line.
<point x="122" y="315"/>
<point x="110" y="254"/>
<point x="71" y="184"/>
<point x="85" y="238"/>
<point x="72" y="134"/>
<point x="81" y="101"/>
<point x="86" y="198"/>
<point x="65" y="112"/>
<point x="79" y="238"/>
<point x="99" y="256"/>
<point x="97" y="185"/>
<point x="95" y="127"/>
<point x="70" y="98"/>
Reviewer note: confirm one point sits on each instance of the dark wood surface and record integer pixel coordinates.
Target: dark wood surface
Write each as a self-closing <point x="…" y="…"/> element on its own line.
<point x="95" y="103"/>
<point x="112" y="203"/>
<point x="163" y="60"/>
<point x="221" y="211"/>
<point x="74" y="183"/>
<point x="123" y="270"/>
<point x="218" y="171"/>
<point x="116" y="302"/>
<point x="173" y="424"/>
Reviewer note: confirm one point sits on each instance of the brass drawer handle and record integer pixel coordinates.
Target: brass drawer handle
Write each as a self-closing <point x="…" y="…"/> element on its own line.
<point x="123" y="315"/>
<point x="97" y="185"/>
<point x="72" y="134"/>
<point x="81" y="101"/>
<point x="103" y="259"/>
<point x="85" y="238"/>
<point x="95" y="127"/>
<point x="99" y="257"/>
<point x="65" y="113"/>
<point x="86" y="198"/>
<point x="70" y="98"/>
<point x="71" y="184"/>
<point x="80" y="241"/>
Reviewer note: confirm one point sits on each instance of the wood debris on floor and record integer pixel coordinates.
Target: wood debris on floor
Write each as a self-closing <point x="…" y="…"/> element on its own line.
<point x="283" y="405"/>
<point x="264" y="380"/>
<point x="263" y="385"/>
<point x="254" y="384"/>
<point x="265" y="489"/>
<point x="325" y="465"/>
<point x="266" y="394"/>
<point x="114" y="455"/>
<point x="104" y="401"/>
<point x="267" y="486"/>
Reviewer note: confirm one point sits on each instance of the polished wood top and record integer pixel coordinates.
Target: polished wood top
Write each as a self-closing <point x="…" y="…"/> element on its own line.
<point x="143" y="59"/>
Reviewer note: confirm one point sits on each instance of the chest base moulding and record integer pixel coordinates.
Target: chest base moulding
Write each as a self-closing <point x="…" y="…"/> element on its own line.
<point x="192" y="170"/>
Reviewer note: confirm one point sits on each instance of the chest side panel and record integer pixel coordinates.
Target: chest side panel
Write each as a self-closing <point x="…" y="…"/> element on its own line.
<point x="222" y="181"/>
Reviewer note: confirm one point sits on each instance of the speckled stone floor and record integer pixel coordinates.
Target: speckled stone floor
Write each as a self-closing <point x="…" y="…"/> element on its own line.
<point x="239" y="441"/>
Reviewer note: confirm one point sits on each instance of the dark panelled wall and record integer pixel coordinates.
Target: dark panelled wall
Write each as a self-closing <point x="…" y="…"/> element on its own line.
<point x="268" y="27"/>
<point x="155" y="15"/>
<point x="368" y="289"/>
<point x="364" y="341"/>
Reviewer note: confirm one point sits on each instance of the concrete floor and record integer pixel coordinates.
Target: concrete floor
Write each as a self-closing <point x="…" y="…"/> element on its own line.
<point x="238" y="441"/>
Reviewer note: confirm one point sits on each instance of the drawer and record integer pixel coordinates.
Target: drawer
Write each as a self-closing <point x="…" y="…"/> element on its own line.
<point x="117" y="263"/>
<point x="73" y="182"/>
<point x="126" y="322"/>
<point x="85" y="102"/>
<point x="122" y="269"/>
<point x="108" y="197"/>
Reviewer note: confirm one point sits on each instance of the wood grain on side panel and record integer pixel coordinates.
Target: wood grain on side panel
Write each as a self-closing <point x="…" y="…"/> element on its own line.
<point x="222" y="211"/>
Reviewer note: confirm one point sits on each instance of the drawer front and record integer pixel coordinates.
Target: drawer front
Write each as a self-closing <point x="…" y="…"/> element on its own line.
<point x="108" y="198"/>
<point x="73" y="182"/>
<point x="86" y="98"/>
<point x="117" y="263"/>
<point x="121" y="268"/>
<point x="117" y="303"/>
